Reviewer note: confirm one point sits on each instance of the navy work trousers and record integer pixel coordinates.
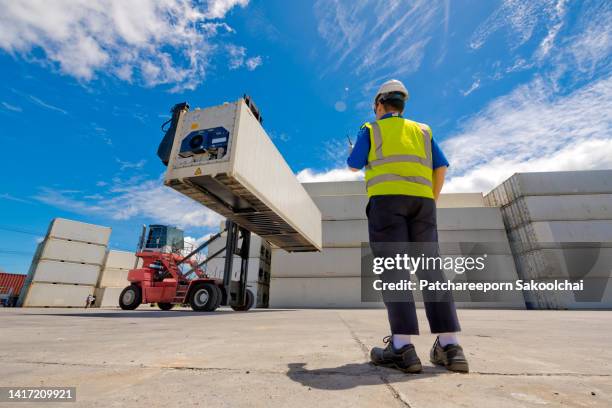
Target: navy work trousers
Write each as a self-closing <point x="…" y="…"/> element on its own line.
<point x="402" y="218"/>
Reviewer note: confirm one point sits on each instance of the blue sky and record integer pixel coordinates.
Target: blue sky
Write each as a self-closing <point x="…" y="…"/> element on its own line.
<point x="506" y="86"/>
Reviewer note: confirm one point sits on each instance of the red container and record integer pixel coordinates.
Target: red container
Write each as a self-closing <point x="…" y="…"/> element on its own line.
<point x="11" y="280"/>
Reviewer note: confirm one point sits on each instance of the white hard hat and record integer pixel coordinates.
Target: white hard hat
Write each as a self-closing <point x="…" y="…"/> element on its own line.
<point x="392" y="85"/>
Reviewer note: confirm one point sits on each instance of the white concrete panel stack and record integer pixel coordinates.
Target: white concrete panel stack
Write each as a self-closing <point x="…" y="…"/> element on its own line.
<point x="113" y="278"/>
<point x="66" y="266"/>
<point x="560" y="227"/>
<point x="331" y="278"/>
<point x="258" y="276"/>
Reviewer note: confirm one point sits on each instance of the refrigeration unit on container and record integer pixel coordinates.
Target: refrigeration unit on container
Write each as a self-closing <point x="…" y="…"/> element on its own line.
<point x="222" y="158"/>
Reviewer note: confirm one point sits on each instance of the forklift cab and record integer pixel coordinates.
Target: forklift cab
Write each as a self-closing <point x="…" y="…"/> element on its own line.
<point x="162" y="238"/>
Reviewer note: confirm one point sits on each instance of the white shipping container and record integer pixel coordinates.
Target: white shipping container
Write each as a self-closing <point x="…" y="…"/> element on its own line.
<point x="257" y="270"/>
<point x="552" y="183"/>
<point x="460" y="200"/>
<point x="470" y="218"/>
<point x="335" y="188"/>
<point x="568" y="263"/>
<point x="108" y="297"/>
<point x="492" y="236"/>
<point x="79" y="231"/>
<point x="591" y="297"/>
<point x="73" y="251"/>
<point x="250" y="183"/>
<point x="57" y="295"/>
<point x="558" y="208"/>
<point x="66" y="272"/>
<point x="120" y="260"/>
<point x="353" y="207"/>
<point x="341" y="262"/>
<point x="563" y="182"/>
<point x="346" y="207"/>
<point x="562" y="231"/>
<point x="357" y="189"/>
<point x="255" y="249"/>
<point x="330" y="262"/>
<point x="350" y="233"/>
<point x="343" y="292"/>
<point x="114" y="278"/>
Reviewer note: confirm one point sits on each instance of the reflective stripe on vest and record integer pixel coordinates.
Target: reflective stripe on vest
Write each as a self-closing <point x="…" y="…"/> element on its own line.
<point x="394" y="177"/>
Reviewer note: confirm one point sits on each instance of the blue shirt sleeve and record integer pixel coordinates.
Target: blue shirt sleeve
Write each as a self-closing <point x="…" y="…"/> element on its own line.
<point x="437" y="156"/>
<point x="359" y="156"/>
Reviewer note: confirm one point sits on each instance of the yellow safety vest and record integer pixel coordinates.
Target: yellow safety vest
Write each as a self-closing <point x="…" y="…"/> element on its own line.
<point x="399" y="161"/>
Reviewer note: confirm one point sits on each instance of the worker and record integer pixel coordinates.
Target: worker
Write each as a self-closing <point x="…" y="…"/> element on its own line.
<point x="405" y="170"/>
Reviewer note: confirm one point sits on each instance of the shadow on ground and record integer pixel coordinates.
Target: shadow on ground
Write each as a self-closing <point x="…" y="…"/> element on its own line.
<point x="155" y="313"/>
<point x="353" y="375"/>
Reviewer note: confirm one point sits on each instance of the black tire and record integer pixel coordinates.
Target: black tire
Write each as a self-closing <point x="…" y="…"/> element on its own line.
<point x="165" y="306"/>
<point x="130" y="297"/>
<point x="203" y="298"/>
<point x="250" y="301"/>
<point x="219" y="297"/>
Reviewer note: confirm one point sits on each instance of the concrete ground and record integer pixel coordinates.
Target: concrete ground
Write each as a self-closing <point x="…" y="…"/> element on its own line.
<point x="302" y="358"/>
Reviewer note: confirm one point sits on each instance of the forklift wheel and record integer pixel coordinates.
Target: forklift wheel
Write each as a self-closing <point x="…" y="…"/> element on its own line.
<point x="130" y="297"/>
<point x="219" y="297"/>
<point x="250" y="301"/>
<point x="165" y="306"/>
<point x="204" y="298"/>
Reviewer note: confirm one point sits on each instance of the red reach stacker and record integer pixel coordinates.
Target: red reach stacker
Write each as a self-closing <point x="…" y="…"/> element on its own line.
<point x="168" y="278"/>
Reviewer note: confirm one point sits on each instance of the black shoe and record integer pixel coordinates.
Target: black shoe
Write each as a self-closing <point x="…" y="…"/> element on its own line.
<point x="450" y="356"/>
<point x="404" y="359"/>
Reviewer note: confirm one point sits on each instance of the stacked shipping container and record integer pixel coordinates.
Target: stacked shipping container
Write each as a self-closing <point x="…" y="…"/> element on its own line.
<point x="113" y="278"/>
<point x="560" y="227"/>
<point x="332" y="277"/>
<point x="66" y="265"/>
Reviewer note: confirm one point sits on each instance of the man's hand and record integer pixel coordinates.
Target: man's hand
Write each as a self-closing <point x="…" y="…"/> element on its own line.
<point x="438" y="181"/>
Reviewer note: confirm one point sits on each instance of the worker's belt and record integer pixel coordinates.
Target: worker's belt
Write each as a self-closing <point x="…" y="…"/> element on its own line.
<point x="399" y="158"/>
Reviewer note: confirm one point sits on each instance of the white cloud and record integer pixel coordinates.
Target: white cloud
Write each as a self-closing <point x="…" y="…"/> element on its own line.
<point x="475" y="85"/>
<point x="130" y="165"/>
<point x="218" y="8"/>
<point x="236" y="55"/>
<point x="253" y="62"/>
<point x="379" y="39"/>
<point x="555" y="24"/>
<point x="237" y="58"/>
<point x="590" y="48"/>
<point x="339" y="174"/>
<point x="519" y="19"/>
<point x="157" y="42"/>
<point x="46" y="105"/>
<point x="532" y="129"/>
<point x="192" y="242"/>
<point x="13" y="108"/>
<point x="148" y="199"/>
<point x="10" y="197"/>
